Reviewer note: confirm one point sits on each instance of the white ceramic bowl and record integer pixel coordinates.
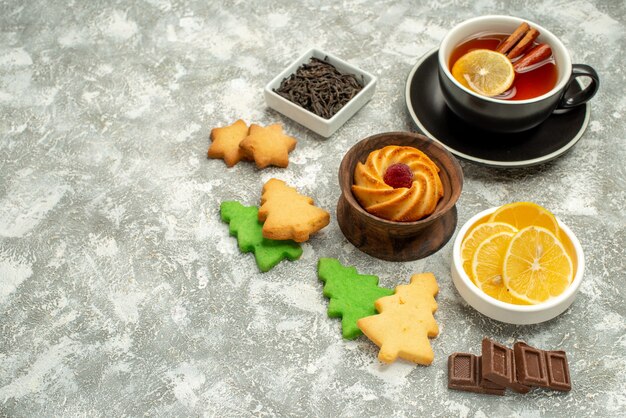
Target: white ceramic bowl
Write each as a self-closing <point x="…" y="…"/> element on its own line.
<point x="319" y="125"/>
<point x="506" y="312"/>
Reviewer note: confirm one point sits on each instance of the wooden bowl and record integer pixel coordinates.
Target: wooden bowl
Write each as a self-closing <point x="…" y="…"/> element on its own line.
<point x="399" y="241"/>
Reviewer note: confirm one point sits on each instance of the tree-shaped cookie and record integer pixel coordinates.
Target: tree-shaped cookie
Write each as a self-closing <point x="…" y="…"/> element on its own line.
<point x="405" y="321"/>
<point x="245" y="226"/>
<point x="288" y="214"/>
<point x="352" y="295"/>
<point x="268" y="145"/>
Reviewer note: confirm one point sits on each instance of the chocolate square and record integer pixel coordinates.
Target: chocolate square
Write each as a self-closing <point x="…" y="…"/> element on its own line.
<point x="558" y="371"/>
<point x="484" y="383"/>
<point x="464" y="374"/>
<point x="461" y="369"/>
<point x="498" y="366"/>
<point x="531" y="365"/>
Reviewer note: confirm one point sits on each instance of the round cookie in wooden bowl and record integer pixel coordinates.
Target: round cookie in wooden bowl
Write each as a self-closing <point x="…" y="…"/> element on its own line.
<point x="399" y="241"/>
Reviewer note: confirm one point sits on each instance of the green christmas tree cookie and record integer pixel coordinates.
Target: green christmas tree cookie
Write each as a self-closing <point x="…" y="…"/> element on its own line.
<point x="352" y="295"/>
<point x="243" y="223"/>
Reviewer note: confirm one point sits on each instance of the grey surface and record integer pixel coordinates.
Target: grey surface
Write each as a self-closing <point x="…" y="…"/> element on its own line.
<point x="121" y="293"/>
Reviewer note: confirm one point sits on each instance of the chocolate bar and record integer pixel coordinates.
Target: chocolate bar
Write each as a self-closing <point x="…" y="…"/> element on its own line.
<point x="498" y="366"/>
<point x="547" y="369"/>
<point x="464" y="373"/>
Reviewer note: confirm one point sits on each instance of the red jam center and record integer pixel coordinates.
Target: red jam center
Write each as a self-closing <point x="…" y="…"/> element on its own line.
<point x="398" y="175"/>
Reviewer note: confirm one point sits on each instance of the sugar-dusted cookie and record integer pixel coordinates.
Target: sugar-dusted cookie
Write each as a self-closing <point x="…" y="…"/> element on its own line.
<point x="405" y="322"/>
<point x="268" y="145"/>
<point x="244" y="224"/>
<point x="225" y="142"/>
<point x="288" y="214"/>
<point x="352" y="295"/>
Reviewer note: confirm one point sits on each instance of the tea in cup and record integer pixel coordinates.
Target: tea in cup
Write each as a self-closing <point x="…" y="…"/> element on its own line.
<point x="506" y="74"/>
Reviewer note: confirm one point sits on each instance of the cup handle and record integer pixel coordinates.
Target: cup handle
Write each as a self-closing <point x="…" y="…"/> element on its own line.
<point x="580" y="70"/>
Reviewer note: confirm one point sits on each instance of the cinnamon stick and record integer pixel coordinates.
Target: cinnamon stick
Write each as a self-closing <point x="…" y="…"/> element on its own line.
<point x="513" y="38"/>
<point x="525" y="43"/>
<point x="533" y="57"/>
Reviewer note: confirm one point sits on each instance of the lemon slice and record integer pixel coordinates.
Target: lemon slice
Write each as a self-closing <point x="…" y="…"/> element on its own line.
<point x="486" y="72"/>
<point x="475" y="237"/>
<point x="536" y="265"/>
<point x="487" y="267"/>
<point x="523" y="214"/>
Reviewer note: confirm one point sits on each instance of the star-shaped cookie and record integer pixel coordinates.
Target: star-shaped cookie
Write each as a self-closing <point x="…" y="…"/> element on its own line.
<point x="225" y="142"/>
<point x="268" y="145"/>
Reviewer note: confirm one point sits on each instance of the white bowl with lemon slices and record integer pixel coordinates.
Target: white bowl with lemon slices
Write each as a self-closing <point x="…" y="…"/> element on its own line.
<point x="517" y="264"/>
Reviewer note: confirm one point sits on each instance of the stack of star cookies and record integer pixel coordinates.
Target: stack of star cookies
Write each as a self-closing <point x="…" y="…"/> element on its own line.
<point x="264" y="145"/>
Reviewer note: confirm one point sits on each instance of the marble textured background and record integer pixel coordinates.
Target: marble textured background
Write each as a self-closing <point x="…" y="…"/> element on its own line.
<point x="121" y="293"/>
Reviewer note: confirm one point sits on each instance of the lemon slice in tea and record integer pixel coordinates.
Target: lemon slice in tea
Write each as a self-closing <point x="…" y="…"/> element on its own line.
<point x="486" y="72"/>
